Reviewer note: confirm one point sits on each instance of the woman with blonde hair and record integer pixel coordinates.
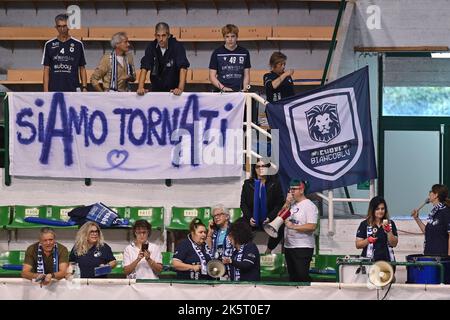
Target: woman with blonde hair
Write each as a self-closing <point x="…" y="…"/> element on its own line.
<point x="90" y="251"/>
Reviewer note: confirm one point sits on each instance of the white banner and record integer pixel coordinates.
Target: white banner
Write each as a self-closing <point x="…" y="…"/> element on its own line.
<point x="125" y="289"/>
<point x="126" y="136"/>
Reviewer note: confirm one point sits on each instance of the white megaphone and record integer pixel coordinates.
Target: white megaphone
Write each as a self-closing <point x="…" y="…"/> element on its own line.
<point x="272" y="228"/>
<point x="215" y="269"/>
<point x="381" y="274"/>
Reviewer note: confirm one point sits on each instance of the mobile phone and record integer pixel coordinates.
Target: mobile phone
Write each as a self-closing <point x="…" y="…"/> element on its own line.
<point x="144" y="246"/>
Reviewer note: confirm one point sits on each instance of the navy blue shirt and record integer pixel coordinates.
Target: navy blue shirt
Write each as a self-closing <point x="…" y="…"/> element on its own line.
<point x="92" y="259"/>
<point x="380" y="247"/>
<point x="249" y="266"/>
<point x="165" y="69"/>
<point x="186" y="254"/>
<point x="284" y="90"/>
<point x="64" y="60"/>
<point x="436" y="232"/>
<point x="230" y="66"/>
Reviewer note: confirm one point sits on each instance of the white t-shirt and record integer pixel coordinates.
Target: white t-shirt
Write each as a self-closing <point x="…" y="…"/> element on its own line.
<point x="301" y="213"/>
<point x="143" y="270"/>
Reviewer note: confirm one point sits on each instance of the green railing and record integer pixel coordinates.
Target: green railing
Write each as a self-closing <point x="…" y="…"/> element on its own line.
<point x="407" y="264"/>
<point x="333" y="41"/>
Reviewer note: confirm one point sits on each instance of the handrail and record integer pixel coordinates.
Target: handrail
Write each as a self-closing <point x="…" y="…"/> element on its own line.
<point x="6" y="137"/>
<point x="406" y="264"/>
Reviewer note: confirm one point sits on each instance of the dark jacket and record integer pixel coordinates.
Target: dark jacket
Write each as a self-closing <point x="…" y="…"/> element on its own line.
<point x="274" y="198"/>
<point x="165" y="69"/>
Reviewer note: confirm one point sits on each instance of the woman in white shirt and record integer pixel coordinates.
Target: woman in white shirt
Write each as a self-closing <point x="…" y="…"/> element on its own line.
<point x="142" y="259"/>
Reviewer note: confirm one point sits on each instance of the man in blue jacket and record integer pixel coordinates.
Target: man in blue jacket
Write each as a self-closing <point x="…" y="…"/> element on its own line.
<point x="166" y="59"/>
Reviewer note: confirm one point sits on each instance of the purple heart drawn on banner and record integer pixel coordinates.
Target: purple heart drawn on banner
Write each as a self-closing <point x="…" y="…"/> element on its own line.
<point x="116" y="157"/>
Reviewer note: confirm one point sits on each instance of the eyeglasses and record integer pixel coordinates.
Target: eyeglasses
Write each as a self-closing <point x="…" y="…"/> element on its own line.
<point x="94" y="231"/>
<point x="294" y="189"/>
<point x="219" y="214"/>
<point x="61" y="26"/>
<point x="141" y="232"/>
<point x="262" y="166"/>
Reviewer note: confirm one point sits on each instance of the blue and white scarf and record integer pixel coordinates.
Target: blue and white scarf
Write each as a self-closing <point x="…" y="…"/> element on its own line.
<point x="372" y="231"/>
<point x="227" y="248"/>
<point x="237" y="271"/>
<point x="259" y="203"/>
<point x="435" y="209"/>
<point x="201" y="256"/>
<point x="113" y="84"/>
<point x="40" y="259"/>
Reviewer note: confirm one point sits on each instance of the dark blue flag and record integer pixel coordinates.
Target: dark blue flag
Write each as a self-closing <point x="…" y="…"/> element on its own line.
<point x="326" y="134"/>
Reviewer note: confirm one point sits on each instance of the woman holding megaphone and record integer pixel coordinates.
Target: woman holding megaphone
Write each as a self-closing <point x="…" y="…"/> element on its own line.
<point x="192" y="255"/>
<point x="438" y="223"/>
<point x="377" y="235"/>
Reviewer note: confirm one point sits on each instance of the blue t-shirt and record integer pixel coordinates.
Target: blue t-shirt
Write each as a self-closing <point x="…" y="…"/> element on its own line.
<point x="436" y="231"/>
<point x="249" y="266"/>
<point x="284" y="90"/>
<point x="92" y="259"/>
<point x="186" y="254"/>
<point x="230" y="66"/>
<point x="64" y="60"/>
<point x="380" y="247"/>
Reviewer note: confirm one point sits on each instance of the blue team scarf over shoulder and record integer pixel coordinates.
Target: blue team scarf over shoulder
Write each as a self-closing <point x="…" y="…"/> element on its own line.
<point x="236" y="270"/>
<point x="113" y="84"/>
<point x="259" y="202"/>
<point x="40" y="259"/>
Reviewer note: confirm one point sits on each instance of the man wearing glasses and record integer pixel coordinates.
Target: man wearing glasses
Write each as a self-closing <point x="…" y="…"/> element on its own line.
<point x="64" y="61"/>
<point x="217" y="238"/>
<point x="299" y="231"/>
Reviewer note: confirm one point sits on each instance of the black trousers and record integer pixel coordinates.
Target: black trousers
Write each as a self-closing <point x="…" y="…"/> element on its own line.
<point x="298" y="261"/>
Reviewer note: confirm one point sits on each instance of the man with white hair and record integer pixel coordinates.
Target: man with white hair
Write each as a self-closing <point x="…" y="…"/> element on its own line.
<point x="116" y="69"/>
<point x="217" y="238"/>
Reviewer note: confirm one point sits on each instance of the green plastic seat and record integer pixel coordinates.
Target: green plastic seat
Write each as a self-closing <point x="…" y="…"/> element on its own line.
<point x="22" y="212"/>
<point x="235" y="213"/>
<point x="272" y="266"/>
<point x="168" y="271"/>
<point x="61" y="213"/>
<point x="121" y="211"/>
<point x="323" y="268"/>
<point x="4" y="216"/>
<point x="117" y="272"/>
<point x="11" y="257"/>
<point x="154" y="215"/>
<point x="182" y="217"/>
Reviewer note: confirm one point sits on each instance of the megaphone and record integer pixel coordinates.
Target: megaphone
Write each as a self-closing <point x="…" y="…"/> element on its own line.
<point x="215" y="268"/>
<point x="381" y="274"/>
<point x="272" y="228"/>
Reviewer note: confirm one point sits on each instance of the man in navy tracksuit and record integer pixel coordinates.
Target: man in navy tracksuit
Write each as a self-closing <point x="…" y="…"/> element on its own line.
<point x="166" y="60"/>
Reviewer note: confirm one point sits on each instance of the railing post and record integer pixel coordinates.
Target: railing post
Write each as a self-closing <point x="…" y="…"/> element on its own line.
<point x="6" y="140"/>
<point x="330" y="213"/>
<point x="248" y="135"/>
